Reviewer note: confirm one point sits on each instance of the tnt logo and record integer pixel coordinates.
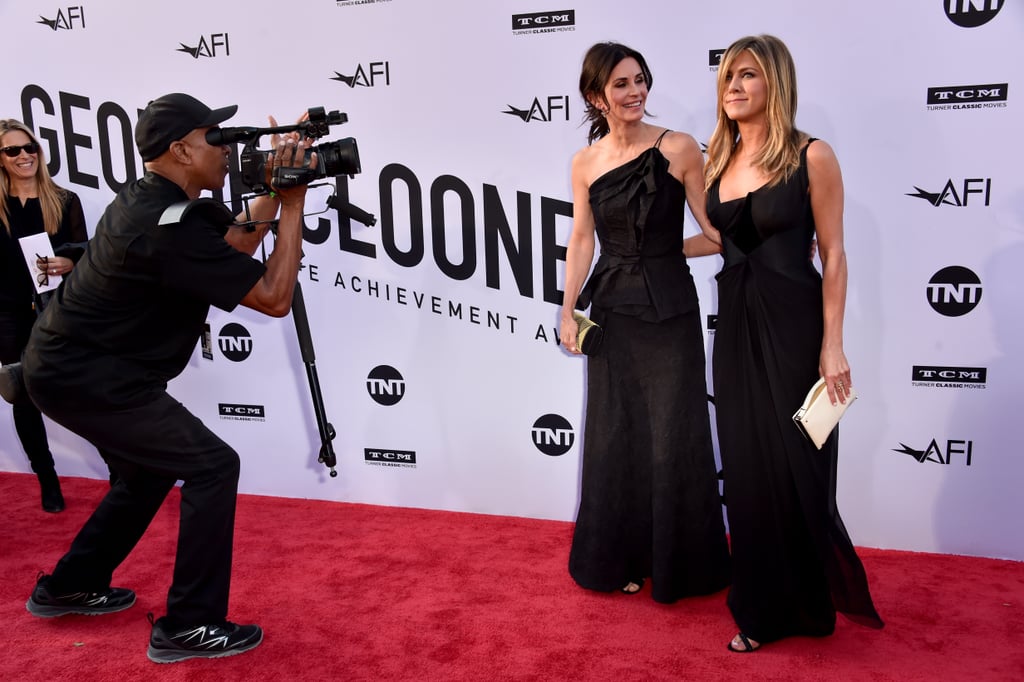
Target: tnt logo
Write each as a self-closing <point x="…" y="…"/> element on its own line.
<point x="208" y="46"/>
<point x="385" y="385"/>
<point x="543" y="111"/>
<point x="957" y="195"/>
<point x="66" y="19"/>
<point x="553" y="435"/>
<point x="954" y="291"/>
<point x="972" y="13"/>
<point x="235" y="342"/>
<point x="375" y="73"/>
<point x="939" y="453"/>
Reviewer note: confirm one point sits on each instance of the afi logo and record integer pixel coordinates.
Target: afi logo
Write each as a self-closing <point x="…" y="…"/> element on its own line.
<point x="951" y="197"/>
<point x="366" y="77"/>
<point x="65" y="19"/>
<point x="954" y="291"/>
<point x="940" y="454"/>
<point x="235" y="342"/>
<point x="385" y="385"/>
<point x="972" y="13"/>
<point x="207" y="47"/>
<point x="542" y="111"/>
<point x="715" y="58"/>
<point x="553" y="435"/>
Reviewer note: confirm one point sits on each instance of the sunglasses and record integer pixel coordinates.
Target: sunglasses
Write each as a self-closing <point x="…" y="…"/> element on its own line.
<point x="15" y="149"/>
<point x="43" y="263"/>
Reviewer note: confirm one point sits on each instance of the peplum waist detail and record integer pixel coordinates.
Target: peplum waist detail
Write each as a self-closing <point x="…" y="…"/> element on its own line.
<point x="654" y="288"/>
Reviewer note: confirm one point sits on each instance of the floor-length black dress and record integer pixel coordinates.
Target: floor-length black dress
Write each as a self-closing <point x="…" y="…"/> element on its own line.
<point x="649" y="502"/>
<point x="794" y="565"/>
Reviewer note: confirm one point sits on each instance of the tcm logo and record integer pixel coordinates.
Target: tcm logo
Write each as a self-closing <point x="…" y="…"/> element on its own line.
<point x="235" y="342"/>
<point x="553" y="435"/>
<point x="715" y="59"/>
<point x="954" y="291"/>
<point x="949" y="377"/>
<point x="552" y="107"/>
<point x="213" y="46"/>
<point x="971" y="13"/>
<point x="242" y="412"/>
<point x="958" y="195"/>
<point x="373" y="74"/>
<point x="385" y="385"/>
<point x="66" y="19"/>
<point x="960" y="450"/>
<point x="544" y="22"/>
<point x="968" y="94"/>
<point x="389" y="458"/>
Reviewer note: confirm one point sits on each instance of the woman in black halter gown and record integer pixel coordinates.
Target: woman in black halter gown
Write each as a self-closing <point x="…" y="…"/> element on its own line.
<point x="649" y="502"/>
<point x="771" y="190"/>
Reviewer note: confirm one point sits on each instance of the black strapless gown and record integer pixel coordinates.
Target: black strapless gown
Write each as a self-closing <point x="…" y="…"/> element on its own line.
<point x="794" y="565"/>
<point x="649" y="501"/>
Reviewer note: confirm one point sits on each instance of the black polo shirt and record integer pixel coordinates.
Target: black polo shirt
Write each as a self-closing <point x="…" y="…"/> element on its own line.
<point x="128" y="317"/>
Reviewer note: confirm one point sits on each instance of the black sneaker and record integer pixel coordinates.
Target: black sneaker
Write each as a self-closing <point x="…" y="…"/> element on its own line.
<point x="45" y="604"/>
<point x="201" y="641"/>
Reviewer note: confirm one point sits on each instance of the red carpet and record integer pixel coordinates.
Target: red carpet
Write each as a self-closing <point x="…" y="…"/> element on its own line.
<point x="356" y="592"/>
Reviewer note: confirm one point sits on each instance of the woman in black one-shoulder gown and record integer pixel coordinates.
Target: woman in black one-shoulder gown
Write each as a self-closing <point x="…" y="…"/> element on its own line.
<point x="649" y="502"/>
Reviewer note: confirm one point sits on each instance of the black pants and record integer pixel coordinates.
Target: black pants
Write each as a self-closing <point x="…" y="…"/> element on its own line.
<point x="151" y="446"/>
<point x="15" y="327"/>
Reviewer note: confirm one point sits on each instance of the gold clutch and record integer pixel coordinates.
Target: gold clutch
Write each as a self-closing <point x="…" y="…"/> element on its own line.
<point x="817" y="417"/>
<point x="588" y="335"/>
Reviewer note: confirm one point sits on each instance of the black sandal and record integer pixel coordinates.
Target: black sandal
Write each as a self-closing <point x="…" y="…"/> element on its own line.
<point x="748" y="648"/>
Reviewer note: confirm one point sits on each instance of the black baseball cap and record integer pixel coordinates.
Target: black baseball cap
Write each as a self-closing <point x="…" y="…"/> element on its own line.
<point x="171" y="118"/>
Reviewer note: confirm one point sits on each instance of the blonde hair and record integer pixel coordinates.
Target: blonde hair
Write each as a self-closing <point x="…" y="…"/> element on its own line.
<point x="51" y="197"/>
<point x="780" y="155"/>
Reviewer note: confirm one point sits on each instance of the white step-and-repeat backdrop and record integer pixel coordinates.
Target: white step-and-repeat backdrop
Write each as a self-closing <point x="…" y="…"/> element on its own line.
<point x="434" y="330"/>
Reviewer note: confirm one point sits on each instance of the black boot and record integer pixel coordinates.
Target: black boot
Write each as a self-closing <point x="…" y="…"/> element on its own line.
<point x="49" y="486"/>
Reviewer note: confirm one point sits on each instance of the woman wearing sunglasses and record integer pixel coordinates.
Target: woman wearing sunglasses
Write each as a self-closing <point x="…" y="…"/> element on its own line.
<point x="31" y="203"/>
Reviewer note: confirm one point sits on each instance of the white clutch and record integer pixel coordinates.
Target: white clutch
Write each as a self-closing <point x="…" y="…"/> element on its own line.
<point x="817" y="417"/>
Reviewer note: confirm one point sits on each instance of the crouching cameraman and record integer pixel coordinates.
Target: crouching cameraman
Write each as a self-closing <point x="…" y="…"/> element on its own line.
<point x="126" y="323"/>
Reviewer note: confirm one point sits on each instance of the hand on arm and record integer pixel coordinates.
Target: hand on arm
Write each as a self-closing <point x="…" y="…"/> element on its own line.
<point x="826" y="189"/>
<point x="687" y="157"/>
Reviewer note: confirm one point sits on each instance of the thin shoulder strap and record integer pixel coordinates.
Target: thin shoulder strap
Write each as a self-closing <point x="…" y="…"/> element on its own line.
<point x="657" y="142"/>
<point x="803" y="152"/>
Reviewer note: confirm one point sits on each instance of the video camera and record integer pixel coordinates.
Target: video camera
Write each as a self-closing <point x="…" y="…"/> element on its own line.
<point x="340" y="157"/>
